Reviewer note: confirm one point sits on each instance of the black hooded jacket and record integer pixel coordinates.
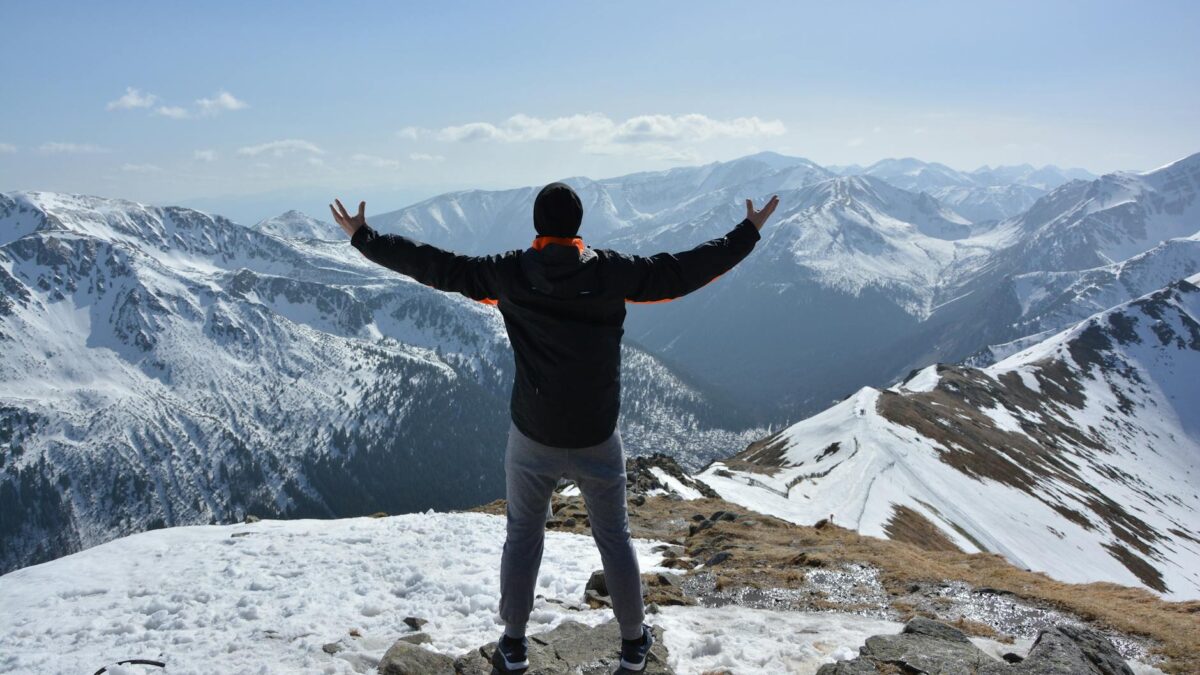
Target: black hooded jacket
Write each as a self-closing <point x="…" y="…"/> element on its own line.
<point x="563" y="304"/>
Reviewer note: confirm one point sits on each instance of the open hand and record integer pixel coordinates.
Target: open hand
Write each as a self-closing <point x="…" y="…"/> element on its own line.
<point x="350" y="224"/>
<point x="759" y="218"/>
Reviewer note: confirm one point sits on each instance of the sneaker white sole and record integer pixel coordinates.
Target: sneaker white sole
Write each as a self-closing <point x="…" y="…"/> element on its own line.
<point x="638" y="667"/>
<point x="510" y="665"/>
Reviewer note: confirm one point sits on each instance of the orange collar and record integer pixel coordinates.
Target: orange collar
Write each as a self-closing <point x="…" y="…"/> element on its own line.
<point x="540" y="242"/>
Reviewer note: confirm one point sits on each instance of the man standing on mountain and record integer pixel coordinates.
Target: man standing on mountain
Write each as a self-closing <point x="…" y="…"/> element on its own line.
<point x="563" y="304"/>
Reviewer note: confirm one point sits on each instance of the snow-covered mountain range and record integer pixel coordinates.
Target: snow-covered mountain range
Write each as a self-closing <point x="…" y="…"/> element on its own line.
<point x="163" y="366"/>
<point x="983" y="194"/>
<point x="864" y="274"/>
<point x="1077" y="456"/>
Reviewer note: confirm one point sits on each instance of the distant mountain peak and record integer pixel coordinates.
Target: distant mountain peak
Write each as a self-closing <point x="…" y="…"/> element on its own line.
<point x="295" y="224"/>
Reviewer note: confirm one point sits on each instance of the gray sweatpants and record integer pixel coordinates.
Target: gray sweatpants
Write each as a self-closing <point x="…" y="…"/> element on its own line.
<point x="531" y="472"/>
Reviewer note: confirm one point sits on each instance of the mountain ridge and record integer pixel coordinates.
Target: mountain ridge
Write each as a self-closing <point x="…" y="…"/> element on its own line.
<point x="1085" y="441"/>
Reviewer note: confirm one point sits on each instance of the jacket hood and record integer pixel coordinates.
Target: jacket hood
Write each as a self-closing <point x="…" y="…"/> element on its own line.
<point x="562" y="271"/>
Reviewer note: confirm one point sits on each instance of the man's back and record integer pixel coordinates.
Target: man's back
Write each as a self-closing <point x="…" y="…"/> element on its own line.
<point x="563" y="304"/>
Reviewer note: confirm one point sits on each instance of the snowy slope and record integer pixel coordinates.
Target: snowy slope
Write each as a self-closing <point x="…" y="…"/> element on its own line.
<point x="984" y="194"/>
<point x="1088" y="224"/>
<point x="1046" y="178"/>
<point x="265" y="598"/>
<point x="912" y="174"/>
<point x="1051" y="301"/>
<point x="164" y="366"/>
<point x="1077" y="457"/>
<point x="988" y="202"/>
<point x="1079" y="249"/>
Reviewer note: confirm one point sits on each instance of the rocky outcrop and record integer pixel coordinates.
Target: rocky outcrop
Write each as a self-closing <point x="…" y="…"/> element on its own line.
<point x="927" y="646"/>
<point x="571" y="649"/>
<point x="641" y="480"/>
<point x="406" y="658"/>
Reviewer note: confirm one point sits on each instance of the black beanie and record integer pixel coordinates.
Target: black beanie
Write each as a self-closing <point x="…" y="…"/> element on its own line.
<point x="557" y="211"/>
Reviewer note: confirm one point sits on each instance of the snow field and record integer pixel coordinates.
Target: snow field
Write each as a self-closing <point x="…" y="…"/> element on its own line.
<point x="266" y="601"/>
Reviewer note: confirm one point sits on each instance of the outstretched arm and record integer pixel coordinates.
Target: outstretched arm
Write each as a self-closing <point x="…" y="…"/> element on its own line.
<point x="475" y="277"/>
<point x="666" y="276"/>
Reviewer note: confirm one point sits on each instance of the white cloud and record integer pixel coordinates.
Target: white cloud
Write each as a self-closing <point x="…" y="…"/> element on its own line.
<point x="173" y="111"/>
<point x="280" y="148"/>
<point x="375" y="162"/>
<point x="855" y="142"/>
<point x="222" y="102"/>
<point x="133" y="98"/>
<point x="205" y="155"/>
<point x="425" y="157"/>
<point x="520" y="128"/>
<point x="693" y="127"/>
<point x="654" y="134"/>
<point x="315" y="161"/>
<point x="141" y="168"/>
<point x="58" y="147"/>
<point x="474" y="131"/>
<point x="6" y="148"/>
<point x="411" y="133"/>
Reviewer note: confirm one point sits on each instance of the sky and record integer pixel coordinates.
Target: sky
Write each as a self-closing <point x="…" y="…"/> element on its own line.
<point x="250" y="108"/>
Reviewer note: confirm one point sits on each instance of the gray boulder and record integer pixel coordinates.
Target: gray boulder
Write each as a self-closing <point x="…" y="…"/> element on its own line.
<point x="571" y="649"/>
<point x="417" y="638"/>
<point x="927" y="646"/>
<point x="405" y="658"/>
<point x="597" y="582"/>
<point x="1073" y="649"/>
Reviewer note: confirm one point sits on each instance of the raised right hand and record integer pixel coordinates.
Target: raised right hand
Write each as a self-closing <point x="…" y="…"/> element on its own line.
<point x="349" y="223"/>
<point x="759" y="218"/>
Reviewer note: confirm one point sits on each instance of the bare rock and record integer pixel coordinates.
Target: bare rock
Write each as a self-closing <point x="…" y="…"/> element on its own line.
<point x="1073" y="649"/>
<point x="718" y="558"/>
<point x="595" y="600"/>
<point x="927" y="646"/>
<point x="597" y="583"/>
<point x="405" y="658"/>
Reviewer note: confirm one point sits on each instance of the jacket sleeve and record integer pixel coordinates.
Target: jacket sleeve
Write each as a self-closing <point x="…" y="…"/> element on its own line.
<point x="477" y="277"/>
<point x="666" y="276"/>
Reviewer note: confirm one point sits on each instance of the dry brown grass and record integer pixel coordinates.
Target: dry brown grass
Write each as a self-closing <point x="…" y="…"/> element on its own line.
<point x="775" y="553"/>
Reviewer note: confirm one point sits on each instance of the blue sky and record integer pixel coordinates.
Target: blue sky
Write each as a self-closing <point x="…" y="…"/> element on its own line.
<point x="250" y="107"/>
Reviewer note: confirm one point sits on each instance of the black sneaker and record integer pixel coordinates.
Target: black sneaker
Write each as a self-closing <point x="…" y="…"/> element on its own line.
<point x="633" y="652"/>
<point x="511" y="656"/>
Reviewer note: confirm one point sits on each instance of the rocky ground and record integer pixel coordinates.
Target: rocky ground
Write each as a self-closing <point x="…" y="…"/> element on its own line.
<point x="728" y="555"/>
